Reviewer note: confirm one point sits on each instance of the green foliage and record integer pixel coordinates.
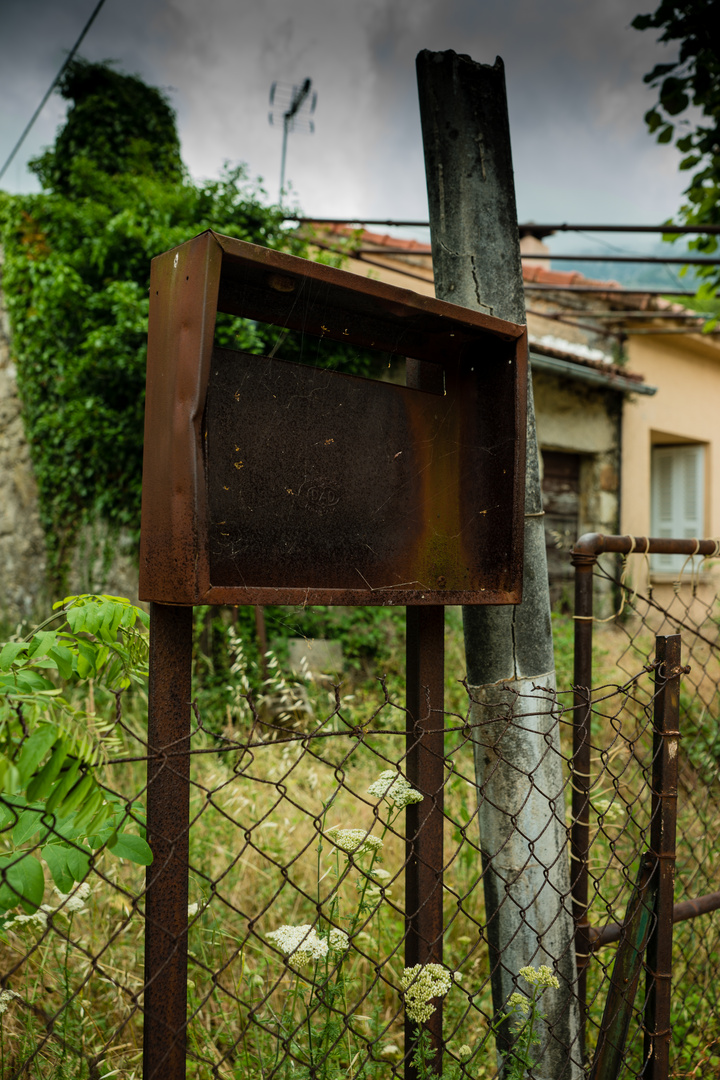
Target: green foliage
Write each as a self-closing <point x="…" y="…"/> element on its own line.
<point x="76" y="276"/>
<point x="691" y="82"/>
<point x="52" y="804"/>
<point x="115" y="121"/>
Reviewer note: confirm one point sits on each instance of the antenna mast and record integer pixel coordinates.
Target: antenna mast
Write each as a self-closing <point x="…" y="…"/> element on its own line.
<point x="295" y="104"/>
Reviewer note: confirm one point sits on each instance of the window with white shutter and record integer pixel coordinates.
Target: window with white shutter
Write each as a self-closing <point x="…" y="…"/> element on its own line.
<point x="676" y="499"/>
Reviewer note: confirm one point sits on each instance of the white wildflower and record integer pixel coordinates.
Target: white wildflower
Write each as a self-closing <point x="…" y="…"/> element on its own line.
<point x="354" y="841"/>
<point x="376" y="892"/>
<point x="519" y="1001"/>
<point x="6" y="997"/>
<point x="38" y="918"/>
<point x="464" y="1052"/>
<point x="75" y="899"/>
<point x="421" y="984"/>
<point x="338" y="941"/>
<point x="390" y="1050"/>
<point x="192" y="910"/>
<point x="301" y="943"/>
<point x="457" y="976"/>
<point x="542" y="977"/>
<point x="395" y="788"/>
<point x="379" y="874"/>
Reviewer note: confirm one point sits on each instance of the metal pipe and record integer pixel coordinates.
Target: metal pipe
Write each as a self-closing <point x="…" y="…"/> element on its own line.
<point x="686" y="909"/>
<point x="663" y="826"/>
<point x="596" y="543"/>
<point x="168" y="816"/>
<point x="582" y="715"/>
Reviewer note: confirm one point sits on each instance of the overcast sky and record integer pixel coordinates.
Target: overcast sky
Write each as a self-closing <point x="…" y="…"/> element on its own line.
<point x="573" y="67"/>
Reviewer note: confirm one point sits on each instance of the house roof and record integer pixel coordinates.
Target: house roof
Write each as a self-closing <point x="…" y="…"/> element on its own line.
<point x="568" y="358"/>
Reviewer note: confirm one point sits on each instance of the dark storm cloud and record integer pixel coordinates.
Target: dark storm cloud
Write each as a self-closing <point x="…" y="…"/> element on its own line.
<point x="574" y="74"/>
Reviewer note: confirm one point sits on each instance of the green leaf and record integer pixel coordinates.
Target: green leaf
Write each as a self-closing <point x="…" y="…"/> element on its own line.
<point x="666" y="134"/>
<point x="23" y="882"/>
<point x="34" y="750"/>
<point x="25" y="681"/>
<point x="653" y="120"/>
<point x="78" y="862"/>
<point x="133" y="848"/>
<point x="29" y="822"/>
<point x="56" y="856"/>
<point x="85" y="659"/>
<point x="96" y="835"/>
<point x="41" y="643"/>
<point x="62" y="787"/>
<point x="10" y="653"/>
<point x="77" y="794"/>
<point x="11" y="780"/>
<point x="39" y="787"/>
<point x="64" y="660"/>
<point x="90" y="808"/>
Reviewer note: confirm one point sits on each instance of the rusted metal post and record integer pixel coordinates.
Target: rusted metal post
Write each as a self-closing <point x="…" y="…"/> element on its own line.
<point x="425" y="765"/>
<point x="168" y="816"/>
<point x="424" y="822"/>
<point x="666" y="737"/>
<point x="584" y="564"/>
<point x="610" y="1049"/>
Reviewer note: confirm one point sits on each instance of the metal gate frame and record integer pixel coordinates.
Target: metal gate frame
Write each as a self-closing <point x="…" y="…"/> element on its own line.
<point x="668" y="669"/>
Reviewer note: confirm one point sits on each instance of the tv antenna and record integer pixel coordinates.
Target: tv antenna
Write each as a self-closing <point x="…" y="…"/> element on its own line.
<point x="295" y="104"/>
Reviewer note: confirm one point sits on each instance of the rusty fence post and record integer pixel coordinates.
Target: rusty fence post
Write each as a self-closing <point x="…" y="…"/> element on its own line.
<point x="666" y="738"/>
<point x="168" y="824"/>
<point x="425" y="767"/>
<point x="584" y="564"/>
<point x="609" y="1054"/>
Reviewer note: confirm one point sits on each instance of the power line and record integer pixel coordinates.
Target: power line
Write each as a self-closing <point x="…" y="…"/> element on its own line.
<point x="50" y="89"/>
<point x="685" y="260"/>
<point x="529" y="227"/>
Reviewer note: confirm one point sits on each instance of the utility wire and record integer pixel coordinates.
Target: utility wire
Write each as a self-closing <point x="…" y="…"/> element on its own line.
<point x="529" y="227"/>
<point x="52" y="86"/>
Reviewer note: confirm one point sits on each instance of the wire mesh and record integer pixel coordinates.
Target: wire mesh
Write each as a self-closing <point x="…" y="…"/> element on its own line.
<point x="689" y="607"/>
<point x="297" y="909"/>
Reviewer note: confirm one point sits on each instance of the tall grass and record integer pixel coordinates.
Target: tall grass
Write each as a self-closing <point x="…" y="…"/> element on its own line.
<point x="262" y="856"/>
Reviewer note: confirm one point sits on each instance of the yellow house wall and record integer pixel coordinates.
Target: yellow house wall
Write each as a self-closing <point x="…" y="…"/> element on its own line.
<point x="686" y="408"/>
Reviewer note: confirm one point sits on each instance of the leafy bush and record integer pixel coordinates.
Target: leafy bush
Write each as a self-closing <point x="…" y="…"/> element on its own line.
<point x="52" y="804"/>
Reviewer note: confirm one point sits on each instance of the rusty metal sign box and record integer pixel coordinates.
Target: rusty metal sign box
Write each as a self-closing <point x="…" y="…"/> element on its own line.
<point x="267" y="482"/>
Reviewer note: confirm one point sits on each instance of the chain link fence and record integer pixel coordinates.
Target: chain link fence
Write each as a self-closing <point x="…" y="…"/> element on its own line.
<point x="305" y="817"/>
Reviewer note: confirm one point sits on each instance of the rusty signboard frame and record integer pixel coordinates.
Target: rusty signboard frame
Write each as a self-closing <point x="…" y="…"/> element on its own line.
<point x="432" y="478"/>
<point x="458" y="432"/>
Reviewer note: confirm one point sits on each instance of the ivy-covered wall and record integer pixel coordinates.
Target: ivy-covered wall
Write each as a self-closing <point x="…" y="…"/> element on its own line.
<point x="75" y="283"/>
<point x="75" y="279"/>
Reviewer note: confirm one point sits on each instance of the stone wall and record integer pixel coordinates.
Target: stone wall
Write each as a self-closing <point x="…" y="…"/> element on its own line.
<point x="22" y="544"/>
<point x="100" y="563"/>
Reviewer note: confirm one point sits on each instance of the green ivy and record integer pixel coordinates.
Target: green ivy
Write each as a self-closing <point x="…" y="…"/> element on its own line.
<point x="76" y="278"/>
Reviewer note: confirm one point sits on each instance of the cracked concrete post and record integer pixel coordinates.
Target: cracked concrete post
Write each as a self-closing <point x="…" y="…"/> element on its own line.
<point x="509" y="650"/>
